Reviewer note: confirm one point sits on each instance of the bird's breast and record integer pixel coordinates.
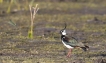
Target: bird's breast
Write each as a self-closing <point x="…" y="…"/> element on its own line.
<point x="68" y="46"/>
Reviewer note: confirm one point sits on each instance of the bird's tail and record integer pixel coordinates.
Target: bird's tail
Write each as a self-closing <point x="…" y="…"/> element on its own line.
<point x="85" y="48"/>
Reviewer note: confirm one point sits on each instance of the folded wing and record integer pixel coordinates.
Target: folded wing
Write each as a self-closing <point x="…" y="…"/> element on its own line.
<point x="73" y="42"/>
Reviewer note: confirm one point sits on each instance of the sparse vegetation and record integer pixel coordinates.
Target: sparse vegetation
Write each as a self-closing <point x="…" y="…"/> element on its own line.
<point x="86" y="21"/>
<point x="33" y="11"/>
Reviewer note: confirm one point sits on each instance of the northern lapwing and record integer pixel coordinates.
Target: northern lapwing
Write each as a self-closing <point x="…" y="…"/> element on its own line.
<point x="71" y="42"/>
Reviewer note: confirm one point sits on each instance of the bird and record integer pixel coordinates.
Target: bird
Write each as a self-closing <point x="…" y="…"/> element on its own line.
<point x="71" y="42"/>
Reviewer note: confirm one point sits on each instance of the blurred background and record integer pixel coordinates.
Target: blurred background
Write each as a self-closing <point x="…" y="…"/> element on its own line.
<point x="86" y="21"/>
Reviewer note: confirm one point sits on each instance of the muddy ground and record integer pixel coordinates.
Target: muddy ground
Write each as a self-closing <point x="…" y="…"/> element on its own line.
<point x="85" y="21"/>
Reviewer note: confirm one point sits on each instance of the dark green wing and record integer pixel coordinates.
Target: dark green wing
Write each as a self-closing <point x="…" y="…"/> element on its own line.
<point x="72" y="42"/>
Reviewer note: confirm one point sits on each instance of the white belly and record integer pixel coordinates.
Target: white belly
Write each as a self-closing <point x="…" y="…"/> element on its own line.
<point x="68" y="46"/>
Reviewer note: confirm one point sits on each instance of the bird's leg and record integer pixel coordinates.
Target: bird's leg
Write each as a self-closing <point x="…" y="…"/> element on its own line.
<point x="69" y="52"/>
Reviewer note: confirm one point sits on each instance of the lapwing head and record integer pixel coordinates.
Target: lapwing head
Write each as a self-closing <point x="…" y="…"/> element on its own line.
<point x="63" y="31"/>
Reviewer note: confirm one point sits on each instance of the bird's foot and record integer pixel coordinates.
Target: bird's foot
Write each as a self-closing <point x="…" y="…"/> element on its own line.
<point x="69" y="53"/>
